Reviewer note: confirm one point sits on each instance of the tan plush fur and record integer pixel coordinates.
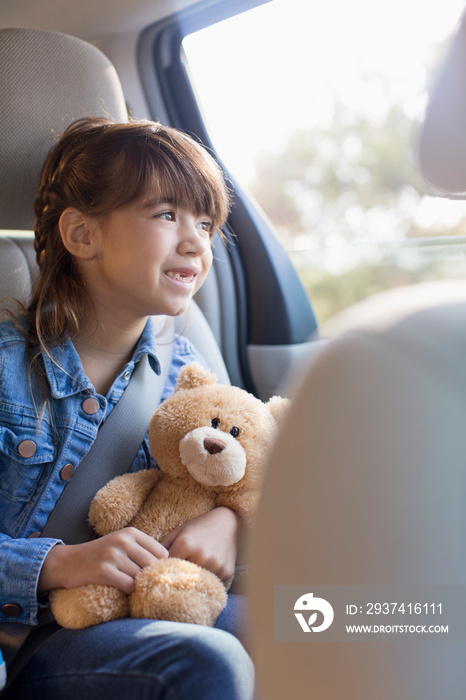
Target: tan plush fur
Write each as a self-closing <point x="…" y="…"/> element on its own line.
<point x="210" y="442"/>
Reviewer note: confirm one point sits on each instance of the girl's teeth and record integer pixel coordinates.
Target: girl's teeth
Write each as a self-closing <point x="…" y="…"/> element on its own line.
<point x="179" y="276"/>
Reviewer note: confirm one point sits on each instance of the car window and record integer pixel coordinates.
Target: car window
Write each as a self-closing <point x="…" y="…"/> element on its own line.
<point x="314" y="108"/>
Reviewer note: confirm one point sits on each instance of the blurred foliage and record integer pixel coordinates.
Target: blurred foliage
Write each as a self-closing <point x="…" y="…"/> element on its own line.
<point x="354" y="181"/>
<point x="323" y="173"/>
<point x="375" y="270"/>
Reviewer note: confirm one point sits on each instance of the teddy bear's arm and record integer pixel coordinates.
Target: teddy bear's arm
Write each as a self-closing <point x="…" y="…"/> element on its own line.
<point x="116" y="504"/>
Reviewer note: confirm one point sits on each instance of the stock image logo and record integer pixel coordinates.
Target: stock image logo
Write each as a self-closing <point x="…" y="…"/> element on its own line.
<point x="308" y="604"/>
<point x="369" y="613"/>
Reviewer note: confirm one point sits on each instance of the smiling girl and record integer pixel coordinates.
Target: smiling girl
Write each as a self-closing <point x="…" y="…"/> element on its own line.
<point x="124" y="220"/>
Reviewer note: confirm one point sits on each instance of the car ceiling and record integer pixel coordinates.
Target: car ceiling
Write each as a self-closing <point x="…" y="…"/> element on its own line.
<point x="87" y="19"/>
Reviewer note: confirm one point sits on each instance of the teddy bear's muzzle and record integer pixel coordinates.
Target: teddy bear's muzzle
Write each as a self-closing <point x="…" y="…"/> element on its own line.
<point x="213" y="457"/>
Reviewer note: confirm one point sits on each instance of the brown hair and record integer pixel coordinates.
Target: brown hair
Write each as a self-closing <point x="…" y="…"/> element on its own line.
<point x="96" y="167"/>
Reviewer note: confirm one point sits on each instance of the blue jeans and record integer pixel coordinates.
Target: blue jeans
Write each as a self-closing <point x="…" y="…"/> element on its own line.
<point x="142" y="659"/>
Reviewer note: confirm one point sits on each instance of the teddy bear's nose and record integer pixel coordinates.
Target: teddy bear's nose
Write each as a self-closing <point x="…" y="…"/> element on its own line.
<point x="213" y="445"/>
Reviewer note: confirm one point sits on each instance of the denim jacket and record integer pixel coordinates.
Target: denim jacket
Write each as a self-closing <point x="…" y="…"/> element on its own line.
<point x="38" y="454"/>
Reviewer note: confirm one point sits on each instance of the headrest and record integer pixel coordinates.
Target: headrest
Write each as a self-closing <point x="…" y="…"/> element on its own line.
<point x="47" y="81"/>
<point x="371" y="500"/>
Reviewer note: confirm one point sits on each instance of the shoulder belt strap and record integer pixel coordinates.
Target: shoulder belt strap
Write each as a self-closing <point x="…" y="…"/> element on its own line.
<point x="115" y="447"/>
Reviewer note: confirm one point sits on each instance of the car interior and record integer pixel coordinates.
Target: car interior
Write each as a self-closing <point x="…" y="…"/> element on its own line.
<point x="366" y="482"/>
<point x="257" y="345"/>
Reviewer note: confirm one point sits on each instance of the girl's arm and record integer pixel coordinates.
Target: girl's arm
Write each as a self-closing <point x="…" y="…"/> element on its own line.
<point x="211" y="540"/>
<point x="115" y="558"/>
<point x="112" y="560"/>
<point x="21" y="560"/>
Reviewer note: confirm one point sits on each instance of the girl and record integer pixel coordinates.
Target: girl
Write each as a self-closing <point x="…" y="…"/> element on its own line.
<point x="124" y="220"/>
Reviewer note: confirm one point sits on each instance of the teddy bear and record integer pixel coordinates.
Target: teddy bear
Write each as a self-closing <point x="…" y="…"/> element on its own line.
<point x="210" y="442"/>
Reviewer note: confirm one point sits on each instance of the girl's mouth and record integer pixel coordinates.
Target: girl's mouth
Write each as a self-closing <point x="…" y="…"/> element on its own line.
<point x="184" y="276"/>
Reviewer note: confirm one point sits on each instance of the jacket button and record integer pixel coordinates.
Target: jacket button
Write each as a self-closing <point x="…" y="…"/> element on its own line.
<point x="67" y="472"/>
<point x="27" y="448"/>
<point x="90" y="406"/>
<point x="11" y="609"/>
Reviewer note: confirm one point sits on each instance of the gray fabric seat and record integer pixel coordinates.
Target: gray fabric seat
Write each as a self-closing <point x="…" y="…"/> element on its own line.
<point x="47" y="81"/>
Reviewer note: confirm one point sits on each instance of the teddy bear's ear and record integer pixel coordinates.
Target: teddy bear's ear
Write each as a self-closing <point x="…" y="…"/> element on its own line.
<point x="194" y="375"/>
<point x="278" y="407"/>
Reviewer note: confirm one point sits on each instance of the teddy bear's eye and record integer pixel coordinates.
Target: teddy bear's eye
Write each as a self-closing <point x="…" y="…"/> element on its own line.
<point x="215" y="423"/>
<point x="234" y="431"/>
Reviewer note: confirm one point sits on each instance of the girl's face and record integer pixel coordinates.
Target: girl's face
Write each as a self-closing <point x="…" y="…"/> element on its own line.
<point x="151" y="257"/>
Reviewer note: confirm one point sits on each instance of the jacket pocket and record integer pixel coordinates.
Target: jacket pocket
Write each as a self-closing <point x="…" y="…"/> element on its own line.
<point x="24" y="454"/>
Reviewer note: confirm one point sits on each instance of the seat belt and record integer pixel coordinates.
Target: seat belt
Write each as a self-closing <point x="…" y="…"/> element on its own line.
<point x="119" y="439"/>
<point x="111" y="454"/>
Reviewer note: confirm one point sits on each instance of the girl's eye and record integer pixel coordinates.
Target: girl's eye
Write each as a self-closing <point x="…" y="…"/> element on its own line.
<point x="166" y="215"/>
<point x="206" y="226"/>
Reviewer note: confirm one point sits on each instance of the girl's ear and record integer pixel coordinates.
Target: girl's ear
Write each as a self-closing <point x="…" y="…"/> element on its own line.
<point x="77" y="233"/>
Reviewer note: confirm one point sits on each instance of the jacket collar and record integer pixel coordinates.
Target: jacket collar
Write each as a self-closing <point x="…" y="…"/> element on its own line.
<point x="65" y="372"/>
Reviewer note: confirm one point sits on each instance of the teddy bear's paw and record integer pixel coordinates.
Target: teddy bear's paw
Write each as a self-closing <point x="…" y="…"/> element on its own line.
<point x="85" y="606"/>
<point x="177" y="590"/>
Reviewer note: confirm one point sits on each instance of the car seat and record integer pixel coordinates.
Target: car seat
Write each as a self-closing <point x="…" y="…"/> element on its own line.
<point x="47" y="81"/>
<point x="366" y="486"/>
<point x="441" y="141"/>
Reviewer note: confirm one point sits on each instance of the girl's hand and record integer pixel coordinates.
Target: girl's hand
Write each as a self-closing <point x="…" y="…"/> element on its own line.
<point x="112" y="560"/>
<point x="211" y="541"/>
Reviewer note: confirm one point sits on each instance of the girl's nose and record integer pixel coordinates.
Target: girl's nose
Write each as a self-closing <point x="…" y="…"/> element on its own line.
<point x="193" y="240"/>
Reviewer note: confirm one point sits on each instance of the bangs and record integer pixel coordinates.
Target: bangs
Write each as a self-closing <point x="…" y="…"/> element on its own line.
<point x="167" y="165"/>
